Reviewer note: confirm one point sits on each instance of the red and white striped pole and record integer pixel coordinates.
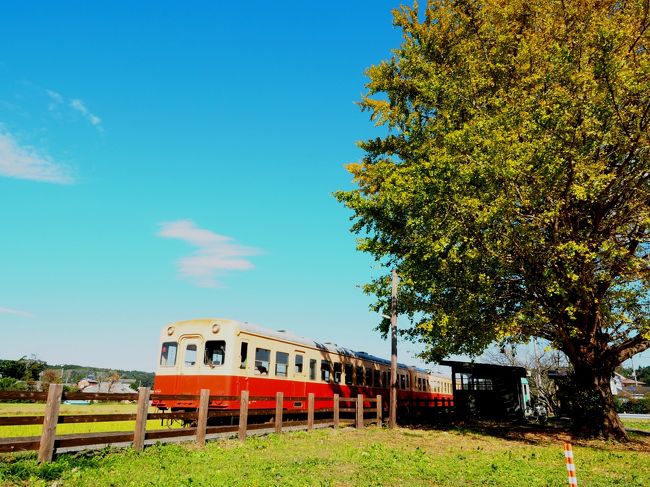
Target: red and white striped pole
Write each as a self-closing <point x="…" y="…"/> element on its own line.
<point x="570" y="466"/>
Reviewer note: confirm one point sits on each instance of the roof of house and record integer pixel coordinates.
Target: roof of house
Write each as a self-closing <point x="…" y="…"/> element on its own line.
<point x="109" y="387"/>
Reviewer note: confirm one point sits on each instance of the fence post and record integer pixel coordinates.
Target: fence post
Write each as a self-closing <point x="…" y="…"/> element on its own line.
<point x="48" y="435"/>
<point x="310" y="411"/>
<point x="359" y="411"/>
<point x="337" y="412"/>
<point x="379" y="410"/>
<point x="141" y="418"/>
<point x="243" y="415"/>
<point x="202" y="420"/>
<point x="279" y="402"/>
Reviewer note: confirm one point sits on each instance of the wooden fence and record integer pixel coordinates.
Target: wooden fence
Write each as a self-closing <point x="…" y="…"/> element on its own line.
<point x="49" y="442"/>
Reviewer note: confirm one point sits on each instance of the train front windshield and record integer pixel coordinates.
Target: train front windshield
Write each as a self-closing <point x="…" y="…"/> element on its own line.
<point x="168" y="354"/>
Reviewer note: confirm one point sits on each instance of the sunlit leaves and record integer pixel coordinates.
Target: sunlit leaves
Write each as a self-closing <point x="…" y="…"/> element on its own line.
<point x="512" y="188"/>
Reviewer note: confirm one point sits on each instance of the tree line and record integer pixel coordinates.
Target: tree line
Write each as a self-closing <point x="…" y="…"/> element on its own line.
<point x="26" y="372"/>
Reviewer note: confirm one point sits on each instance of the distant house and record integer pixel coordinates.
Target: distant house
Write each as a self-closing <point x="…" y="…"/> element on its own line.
<point x="631" y="388"/>
<point x="121" y="386"/>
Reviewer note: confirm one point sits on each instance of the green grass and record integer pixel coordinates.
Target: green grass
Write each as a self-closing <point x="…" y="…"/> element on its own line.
<point x="28" y="409"/>
<point x="348" y="457"/>
<point x="637" y="424"/>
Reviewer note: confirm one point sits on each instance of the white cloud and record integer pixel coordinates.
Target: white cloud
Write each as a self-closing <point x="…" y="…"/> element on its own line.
<point x="24" y="162"/>
<point x="215" y="254"/>
<point x="15" y="312"/>
<point x="79" y="105"/>
<point x="56" y="99"/>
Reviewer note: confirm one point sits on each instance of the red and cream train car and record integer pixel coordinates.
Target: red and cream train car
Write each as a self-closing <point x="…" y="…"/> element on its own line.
<point x="228" y="357"/>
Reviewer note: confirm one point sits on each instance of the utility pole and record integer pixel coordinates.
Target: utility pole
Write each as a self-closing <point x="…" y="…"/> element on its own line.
<point x="636" y="383"/>
<point x="393" y="355"/>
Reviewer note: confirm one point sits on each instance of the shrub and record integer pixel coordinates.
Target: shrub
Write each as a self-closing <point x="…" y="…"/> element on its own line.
<point x="633" y="406"/>
<point x="11" y="384"/>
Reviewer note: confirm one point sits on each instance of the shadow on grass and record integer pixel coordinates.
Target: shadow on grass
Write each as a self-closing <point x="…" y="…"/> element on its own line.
<point x="534" y="434"/>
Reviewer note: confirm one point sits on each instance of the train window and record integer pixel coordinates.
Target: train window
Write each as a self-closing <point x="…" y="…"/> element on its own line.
<point x="168" y="354"/>
<point x="298" y="363"/>
<point x="385" y="378"/>
<point x="262" y="361"/>
<point x="368" y="376"/>
<point x="377" y="378"/>
<point x="190" y="355"/>
<point x="408" y="381"/>
<point x="215" y="352"/>
<point x="402" y="381"/>
<point x="325" y="370"/>
<point x="359" y="375"/>
<point x="338" y="370"/>
<point x="281" y="364"/>
<point x="348" y="374"/>
<point x="243" y="355"/>
<point x="312" y="369"/>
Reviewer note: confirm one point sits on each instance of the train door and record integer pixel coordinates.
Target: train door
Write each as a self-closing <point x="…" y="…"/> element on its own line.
<point x="298" y="382"/>
<point x="191" y="352"/>
<point x="242" y="379"/>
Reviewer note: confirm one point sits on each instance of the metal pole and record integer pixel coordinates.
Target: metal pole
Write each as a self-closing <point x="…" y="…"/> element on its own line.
<point x="393" y="356"/>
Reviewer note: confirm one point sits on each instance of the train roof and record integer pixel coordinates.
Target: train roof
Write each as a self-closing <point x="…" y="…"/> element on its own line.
<point x="290" y="337"/>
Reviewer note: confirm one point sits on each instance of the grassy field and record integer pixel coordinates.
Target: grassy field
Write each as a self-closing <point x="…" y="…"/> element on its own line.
<point x="349" y="457"/>
<point x="101" y="408"/>
<point x="641" y="425"/>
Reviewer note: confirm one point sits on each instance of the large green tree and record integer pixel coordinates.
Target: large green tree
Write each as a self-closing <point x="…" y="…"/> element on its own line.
<point x="511" y="185"/>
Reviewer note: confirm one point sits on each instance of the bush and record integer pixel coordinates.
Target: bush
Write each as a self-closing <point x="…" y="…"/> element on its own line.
<point x="633" y="406"/>
<point x="11" y="384"/>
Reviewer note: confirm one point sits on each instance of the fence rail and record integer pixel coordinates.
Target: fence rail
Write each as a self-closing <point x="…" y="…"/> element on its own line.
<point x="49" y="442"/>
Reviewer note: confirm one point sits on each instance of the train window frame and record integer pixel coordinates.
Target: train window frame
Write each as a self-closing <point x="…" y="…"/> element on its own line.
<point x="358" y="375"/>
<point x="191" y="351"/>
<point x="209" y="351"/>
<point x="284" y="356"/>
<point x="243" y="354"/>
<point x="165" y="350"/>
<point x="325" y="370"/>
<point x="338" y="371"/>
<point x="299" y="367"/>
<point x="260" y="368"/>
<point x="349" y="374"/>
<point x="368" y="376"/>
<point x="312" y="369"/>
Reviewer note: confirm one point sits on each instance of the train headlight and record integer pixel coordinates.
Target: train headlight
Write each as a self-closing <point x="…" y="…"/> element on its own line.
<point x="170" y="331"/>
<point x="215" y="328"/>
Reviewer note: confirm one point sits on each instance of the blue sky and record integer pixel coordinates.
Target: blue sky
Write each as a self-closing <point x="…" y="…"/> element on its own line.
<point x="162" y="161"/>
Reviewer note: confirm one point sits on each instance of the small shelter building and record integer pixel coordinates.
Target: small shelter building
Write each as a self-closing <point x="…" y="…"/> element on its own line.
<point x="489" y="391"/>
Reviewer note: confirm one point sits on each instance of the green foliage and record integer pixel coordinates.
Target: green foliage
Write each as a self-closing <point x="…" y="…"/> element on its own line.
<point x="634" y="406"/>
<point x="25" y="368"/>
<point x="511" y="191"/>
<point x="11" y="384"/>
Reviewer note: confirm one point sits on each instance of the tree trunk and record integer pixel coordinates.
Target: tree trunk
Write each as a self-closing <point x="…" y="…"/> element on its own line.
<point x="594" y="412"/>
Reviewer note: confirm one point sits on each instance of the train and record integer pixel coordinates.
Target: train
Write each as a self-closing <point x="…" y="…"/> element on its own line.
<point x="228" y="356"/>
